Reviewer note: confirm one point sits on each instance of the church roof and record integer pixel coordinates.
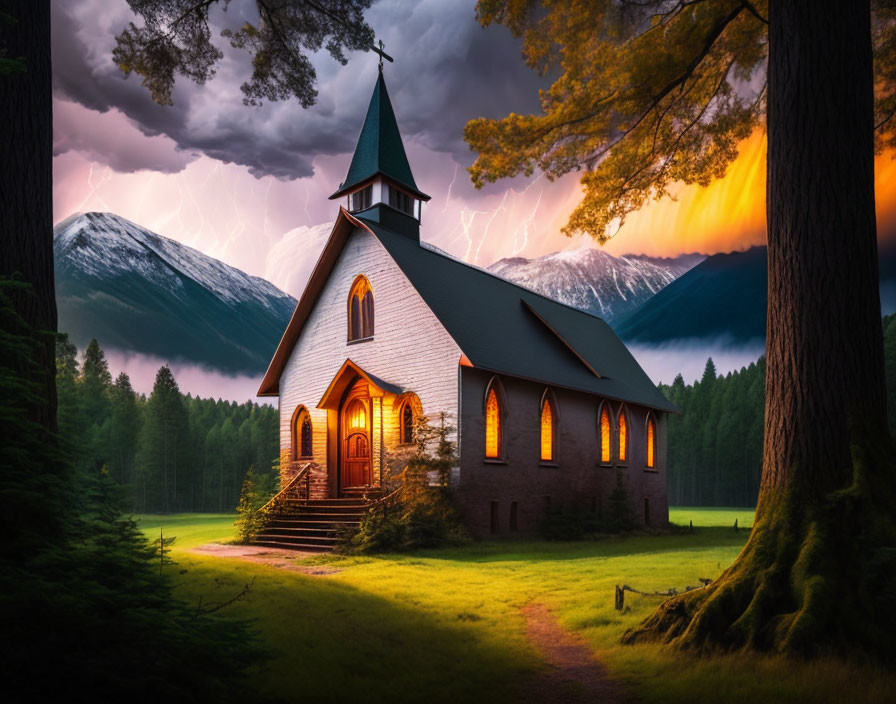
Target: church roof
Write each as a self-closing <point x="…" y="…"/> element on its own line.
<point x="504" y="328"/>
<point x="380" y="150"/>
<point x="499" y="326"/>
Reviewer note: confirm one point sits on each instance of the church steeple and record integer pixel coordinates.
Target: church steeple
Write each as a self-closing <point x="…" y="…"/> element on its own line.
<point x="379" y="183"/>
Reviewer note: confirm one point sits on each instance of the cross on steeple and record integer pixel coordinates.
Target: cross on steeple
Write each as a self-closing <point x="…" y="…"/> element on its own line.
<point x="383" y="54"/>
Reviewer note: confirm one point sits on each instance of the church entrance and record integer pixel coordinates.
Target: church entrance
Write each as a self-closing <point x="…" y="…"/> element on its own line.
<point x="355" y="439"/>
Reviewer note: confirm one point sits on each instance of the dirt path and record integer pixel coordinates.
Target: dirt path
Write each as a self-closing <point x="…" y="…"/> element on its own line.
<point x="281" y="559"/>
<point x="574" y="675"/>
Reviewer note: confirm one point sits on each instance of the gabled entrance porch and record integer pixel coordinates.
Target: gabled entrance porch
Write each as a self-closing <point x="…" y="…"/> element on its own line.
<point x="356" y="432"/>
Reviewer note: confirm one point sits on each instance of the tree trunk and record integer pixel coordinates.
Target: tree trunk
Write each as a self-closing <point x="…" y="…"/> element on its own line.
<point x="26" y="179"/>
<point x="818" y="571"/>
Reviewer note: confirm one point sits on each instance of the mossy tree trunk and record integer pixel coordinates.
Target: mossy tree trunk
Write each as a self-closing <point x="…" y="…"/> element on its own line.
<point x="818" y="573"/>
<point x="26" y="178"/>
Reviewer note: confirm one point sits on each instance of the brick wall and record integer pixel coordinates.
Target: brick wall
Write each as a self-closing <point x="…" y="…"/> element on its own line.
<point x="576" y="478"/>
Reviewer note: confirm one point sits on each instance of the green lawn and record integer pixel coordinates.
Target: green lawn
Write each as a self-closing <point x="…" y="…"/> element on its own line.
<point x="703" y="516"/>
<point x="446" y="626"/>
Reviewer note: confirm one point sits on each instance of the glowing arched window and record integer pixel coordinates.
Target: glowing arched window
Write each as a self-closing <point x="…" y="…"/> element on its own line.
<point x="360" y="310"/>
<point x="301" y="434"/>
<point x="622" y="425"/>
<point x="407" y="423"/>
<point x="651" y="442"/>
<point x="547" y="431"/>
<point x="605" y="453"/>
<point x="357" y="416"/>
<point x="492" y="426"/>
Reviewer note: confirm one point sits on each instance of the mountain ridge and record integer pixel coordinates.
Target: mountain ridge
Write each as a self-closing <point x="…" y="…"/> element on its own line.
<point x="724" y="299"/>
<point x="593" y="280"/>
<point x="135" y="290"/>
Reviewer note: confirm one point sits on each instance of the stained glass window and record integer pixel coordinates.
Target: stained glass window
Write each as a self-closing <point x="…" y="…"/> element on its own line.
<point x="604" y="434"/>
<point x="367" y="314"/>
<point x="651" y="442"/>
<point x="407" y="423"/>
<point x="301" y="434"/>
<point x="547" y="432"/>
<point x="492" y="426"/>
<point x="360" y="322"/>
<point x="623" y="435"/>
<point x="306" y="436"/>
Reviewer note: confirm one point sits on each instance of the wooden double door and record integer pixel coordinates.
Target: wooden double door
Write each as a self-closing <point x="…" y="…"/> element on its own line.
<point x="355" y="440"/>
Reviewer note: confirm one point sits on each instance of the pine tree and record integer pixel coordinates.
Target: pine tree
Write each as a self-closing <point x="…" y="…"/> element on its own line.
<point x="124" y="429"/>
<point x="70" y="418"/>
<point x="162" y="443"/>
<point x="95" y="382"/>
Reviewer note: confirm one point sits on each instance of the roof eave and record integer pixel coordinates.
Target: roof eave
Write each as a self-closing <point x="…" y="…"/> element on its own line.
<point x="670" y="408"/>
<point x="345" y="224"/>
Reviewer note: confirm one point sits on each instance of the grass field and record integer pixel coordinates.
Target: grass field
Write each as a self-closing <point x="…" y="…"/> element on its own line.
<point x="446" y="625"/>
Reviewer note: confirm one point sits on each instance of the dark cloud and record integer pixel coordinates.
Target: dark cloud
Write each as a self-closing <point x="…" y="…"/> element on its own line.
<point x="448" y="69"/>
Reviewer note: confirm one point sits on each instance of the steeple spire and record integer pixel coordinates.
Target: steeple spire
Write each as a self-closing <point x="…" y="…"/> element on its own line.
<point x="380" y="151"/>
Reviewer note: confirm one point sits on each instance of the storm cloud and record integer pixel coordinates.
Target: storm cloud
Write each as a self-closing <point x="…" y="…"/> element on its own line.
<point x="448" y="69"/>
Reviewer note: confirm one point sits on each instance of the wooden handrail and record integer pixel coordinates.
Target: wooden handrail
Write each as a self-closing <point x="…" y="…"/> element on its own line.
<point x="389" y="498"/>
<point x="304" y="474"/>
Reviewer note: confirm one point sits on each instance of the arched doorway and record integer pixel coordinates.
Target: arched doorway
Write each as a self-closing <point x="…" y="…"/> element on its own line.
<point x="355" y="439"/>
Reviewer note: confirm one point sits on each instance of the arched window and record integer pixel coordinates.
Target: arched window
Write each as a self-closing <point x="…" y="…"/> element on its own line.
<point x="605" y="427"/>
<point x="406" y="423"/>
<point x="301" y="434"/>
<point x="547" y="429"/>
<point x="357" y="415"/>
<point x="622" y="435"/>
<point x="492" y="425"/>
<point x="360" y="310"/>
<point x="651" y="441"/>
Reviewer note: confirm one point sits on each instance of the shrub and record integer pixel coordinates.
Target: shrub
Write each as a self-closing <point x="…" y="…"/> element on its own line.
<point x="257" y="490"/>
<point x="423" y="515"/>
<point x="570" y="525"/>
<point x="575" y="524"/>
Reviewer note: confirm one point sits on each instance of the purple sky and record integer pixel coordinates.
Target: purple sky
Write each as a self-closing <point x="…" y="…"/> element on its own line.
<point x="235" y="181"/>
<point x="249" y="185"/>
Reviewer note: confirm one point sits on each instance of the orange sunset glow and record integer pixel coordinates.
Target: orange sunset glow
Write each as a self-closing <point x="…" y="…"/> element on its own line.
<point x="729" y="214"/>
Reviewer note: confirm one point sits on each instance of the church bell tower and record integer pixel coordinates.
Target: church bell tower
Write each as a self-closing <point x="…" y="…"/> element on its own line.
<point x="379" y="185"/>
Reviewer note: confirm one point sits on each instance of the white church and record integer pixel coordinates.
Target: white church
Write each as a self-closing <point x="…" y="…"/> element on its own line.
<point x="548" y="403"/>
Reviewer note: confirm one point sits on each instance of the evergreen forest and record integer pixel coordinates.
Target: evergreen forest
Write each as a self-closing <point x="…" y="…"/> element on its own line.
<point x="715" y="445"/>
<point x="171" y="452"/>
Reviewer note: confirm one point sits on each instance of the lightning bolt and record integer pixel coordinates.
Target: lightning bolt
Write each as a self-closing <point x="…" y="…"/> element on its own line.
<point x="501" y="207"/>
<point x="94" y="188"/>
<point x="450" y="186"/>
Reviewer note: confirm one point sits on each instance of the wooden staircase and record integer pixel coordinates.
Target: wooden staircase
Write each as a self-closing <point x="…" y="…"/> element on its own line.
<point x="295" y="521"/>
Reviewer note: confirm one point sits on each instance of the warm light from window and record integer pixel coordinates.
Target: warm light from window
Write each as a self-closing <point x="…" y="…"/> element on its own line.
<point x="604" y="434"/>
<point x="547" y="432"/>
<point x="357" y="417"/>
<point x="651" y="442"/>
<point x="492" y="426"/>
<point x="623" y="435"/>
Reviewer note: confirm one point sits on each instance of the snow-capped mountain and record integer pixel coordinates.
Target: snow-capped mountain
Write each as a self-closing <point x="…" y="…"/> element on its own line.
<point x="135" y="290"/>
<point x="593" y="280"/>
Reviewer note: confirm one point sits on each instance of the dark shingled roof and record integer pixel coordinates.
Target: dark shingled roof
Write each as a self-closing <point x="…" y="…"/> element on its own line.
<point x="504" y="328"/>
<point x="380" y="149"/>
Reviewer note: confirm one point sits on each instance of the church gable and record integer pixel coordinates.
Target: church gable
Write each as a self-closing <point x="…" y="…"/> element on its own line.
<point x="402" y="343"/>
